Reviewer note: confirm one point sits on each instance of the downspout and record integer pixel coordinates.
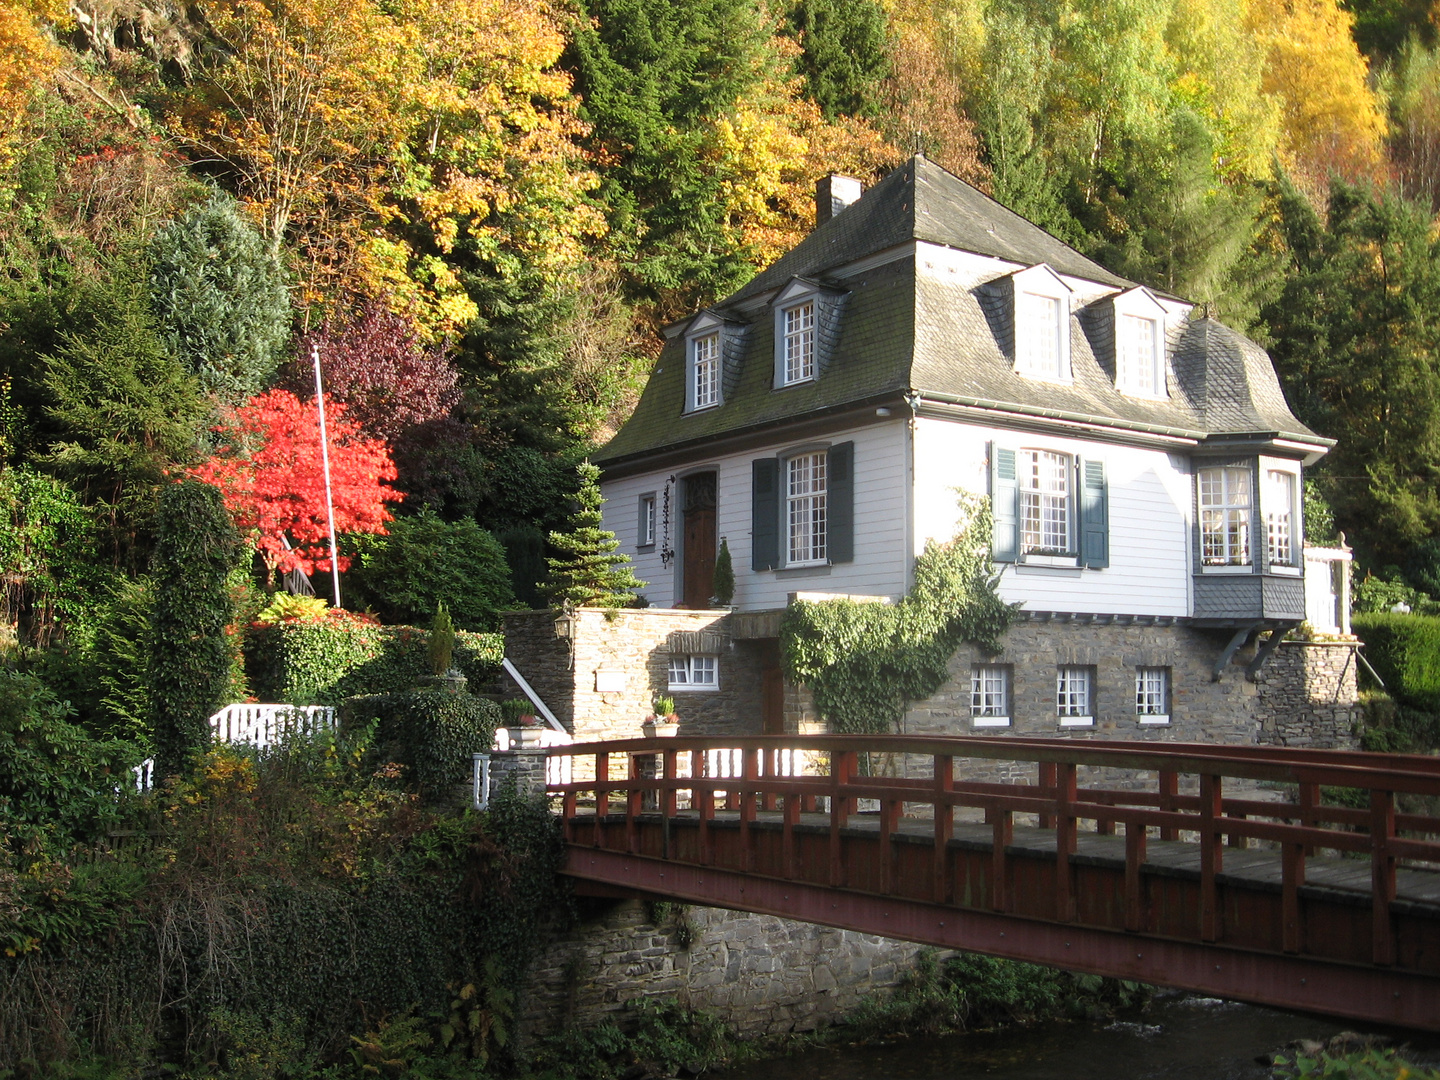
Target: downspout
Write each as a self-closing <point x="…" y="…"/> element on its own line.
<point x="912" y="402"/>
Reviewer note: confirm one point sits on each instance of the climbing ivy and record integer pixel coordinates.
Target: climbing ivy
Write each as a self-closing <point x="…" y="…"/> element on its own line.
<point x="865" y="661"/>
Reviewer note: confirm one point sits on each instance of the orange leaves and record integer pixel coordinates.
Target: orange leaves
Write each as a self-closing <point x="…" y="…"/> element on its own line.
<point x="26" y="55"/>
<point x="271" y="476"/>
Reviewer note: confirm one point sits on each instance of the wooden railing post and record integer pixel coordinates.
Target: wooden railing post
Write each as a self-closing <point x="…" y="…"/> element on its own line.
<point x="705" y="793"/>
<point x="1003" y="834"/>
<point x="749" y="770"/>
<point x="1065" y="838"/>
<point x="1047" y="773"/>
<point x="944" y="777"/>
<point x="1135" y="837"/>
<point x="1292" y="877"/>
<point x="770" y="772"/>
<point x="842" y="768"/>
<point x="633" y="796"/>
<point x="1169" y="788"/>
<point x="1382" y="874"/>
<point x="788" y="853"/>
<point x="602" y="795"/>
<point x="1212" y="848"/>
<point x="1309" y="800"/>
<point x="668" y="798"/>
<point x="889" y="816"/>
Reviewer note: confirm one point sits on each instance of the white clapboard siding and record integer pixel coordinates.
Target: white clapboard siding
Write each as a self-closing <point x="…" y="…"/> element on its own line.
<point x="879" y="567"/>
<point x="1149" y="519"/>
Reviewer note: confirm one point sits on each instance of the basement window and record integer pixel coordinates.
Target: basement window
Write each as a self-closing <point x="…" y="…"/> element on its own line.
<point x="694" y="673"/>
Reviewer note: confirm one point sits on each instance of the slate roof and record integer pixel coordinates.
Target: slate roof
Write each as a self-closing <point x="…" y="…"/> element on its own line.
<point x="901" y="330"/>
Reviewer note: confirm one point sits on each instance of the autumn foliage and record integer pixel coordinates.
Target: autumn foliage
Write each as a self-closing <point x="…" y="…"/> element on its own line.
<point x="269" y="471"/>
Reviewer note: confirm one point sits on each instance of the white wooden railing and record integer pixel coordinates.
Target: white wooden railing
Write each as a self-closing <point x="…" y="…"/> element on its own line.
<point x="253" y="723"/>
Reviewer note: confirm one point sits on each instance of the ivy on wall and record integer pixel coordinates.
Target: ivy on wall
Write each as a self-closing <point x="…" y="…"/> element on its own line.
<point x="865" y="661"/>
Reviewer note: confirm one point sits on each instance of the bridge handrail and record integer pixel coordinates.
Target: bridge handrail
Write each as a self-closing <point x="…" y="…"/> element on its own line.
<point x="1055" y="797"/>
<point x="1407" y="773"/>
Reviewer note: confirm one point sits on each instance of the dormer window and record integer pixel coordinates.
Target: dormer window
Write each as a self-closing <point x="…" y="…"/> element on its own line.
<point x="1042" y="324"/>
<point x="705" y="370"/>
<point x="705" y="346"/>
<point x="799" y="337"/>
<point x="1139" y="344"/>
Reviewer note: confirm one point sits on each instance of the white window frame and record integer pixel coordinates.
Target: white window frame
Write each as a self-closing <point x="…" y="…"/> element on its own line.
<point x="1075" y="695"/>
<point x="705" y="369"/>
<point x="694" y="673"/>
<point x="1042" y="298"/>
<point x="990" y="695"/>
<point x="1280" y="499"/>
<point x="806" y="508"/>
<point x="1140" y="364"/>
<point x="1152" y="695"/>
<point x="797" y="337"/>
<point x="1226" y="518"/>
<point x="645" y="525"/>
<point x="1041" y="505"/>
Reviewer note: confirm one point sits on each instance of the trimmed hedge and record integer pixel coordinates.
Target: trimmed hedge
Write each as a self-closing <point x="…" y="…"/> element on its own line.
<point x="325" y="661"/>
<point x="430" y="732"/>
<point x="1405" y="651"/>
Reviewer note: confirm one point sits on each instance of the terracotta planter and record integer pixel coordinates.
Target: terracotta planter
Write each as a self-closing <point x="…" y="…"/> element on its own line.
<point x="656" y="727"/>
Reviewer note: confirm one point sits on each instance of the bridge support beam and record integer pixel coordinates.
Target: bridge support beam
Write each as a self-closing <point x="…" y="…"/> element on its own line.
<point x="1381" y="996"/>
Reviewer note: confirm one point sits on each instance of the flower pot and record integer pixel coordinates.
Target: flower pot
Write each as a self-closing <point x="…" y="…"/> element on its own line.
<point x="526" y="738"/>
<point x="656" y="727"/>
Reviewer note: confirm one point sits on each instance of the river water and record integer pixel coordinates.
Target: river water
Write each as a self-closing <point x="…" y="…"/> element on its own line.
<point x="1176" y="1037"/>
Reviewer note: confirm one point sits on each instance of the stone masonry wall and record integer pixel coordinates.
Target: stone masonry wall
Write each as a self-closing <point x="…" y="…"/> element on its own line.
<point x="630" y="651"/>
<point x="760" y="974"/>
<point x="1308" y="695"/>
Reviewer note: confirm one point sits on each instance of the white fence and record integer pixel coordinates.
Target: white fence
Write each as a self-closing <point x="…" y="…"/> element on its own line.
<point x="256" y="724"/>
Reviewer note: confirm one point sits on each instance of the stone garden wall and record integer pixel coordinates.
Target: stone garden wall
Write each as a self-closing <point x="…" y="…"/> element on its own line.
<point x="760" y="974"/>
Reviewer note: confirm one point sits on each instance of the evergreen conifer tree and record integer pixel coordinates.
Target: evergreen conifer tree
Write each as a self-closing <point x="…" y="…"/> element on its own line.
<point x="591" y="572"/>
<point x="195" y="550"/>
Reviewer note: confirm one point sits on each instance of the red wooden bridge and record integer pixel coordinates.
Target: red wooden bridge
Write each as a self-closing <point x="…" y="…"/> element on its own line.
<point x="1214" y="869"/>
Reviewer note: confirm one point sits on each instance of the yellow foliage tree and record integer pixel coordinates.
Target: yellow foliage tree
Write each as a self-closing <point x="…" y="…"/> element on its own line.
<point x="1331" y="120"/>
<point x="26" y="55"/>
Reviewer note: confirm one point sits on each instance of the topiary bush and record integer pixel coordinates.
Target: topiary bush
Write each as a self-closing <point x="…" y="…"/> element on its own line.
<point x="1405" y="652"/>
<point x="325" y="661"/>
<point x="432" y="733"/>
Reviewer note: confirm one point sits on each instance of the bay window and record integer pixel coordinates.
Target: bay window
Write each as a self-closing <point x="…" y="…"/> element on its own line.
<point x="1225" y="513"/>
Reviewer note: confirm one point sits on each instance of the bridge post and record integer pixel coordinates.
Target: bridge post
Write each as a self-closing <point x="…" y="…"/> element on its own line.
<point x="1212" y="849"/>
<point x="944" y="775"/>
<point x="1382" y="873"/>
<point x="1065" y="840"/>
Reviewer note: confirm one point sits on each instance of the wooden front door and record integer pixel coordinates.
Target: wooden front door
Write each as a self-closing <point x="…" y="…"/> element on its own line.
<point x="699" y="540"/>
<point x="772" y="690"/>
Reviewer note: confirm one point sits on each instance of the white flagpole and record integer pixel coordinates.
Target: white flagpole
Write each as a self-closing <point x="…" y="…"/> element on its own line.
<point x="325" y="461"/>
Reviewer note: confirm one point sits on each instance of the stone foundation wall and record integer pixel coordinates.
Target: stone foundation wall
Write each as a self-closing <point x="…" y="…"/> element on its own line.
<point x="600" y="682"/>
<point x="759" y="974"/>
<point x="1308" y="695"/>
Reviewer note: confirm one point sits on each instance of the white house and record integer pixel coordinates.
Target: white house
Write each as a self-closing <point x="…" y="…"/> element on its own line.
<point x="1144" y="468"/>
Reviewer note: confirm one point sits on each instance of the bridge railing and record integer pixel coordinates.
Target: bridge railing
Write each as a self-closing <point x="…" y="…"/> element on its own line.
<point x="1173" y="790"/>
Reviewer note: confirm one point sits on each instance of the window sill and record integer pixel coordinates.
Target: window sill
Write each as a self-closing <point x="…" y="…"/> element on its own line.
<point x="1067" y="562"/>
<point x="690" y="688"/>
<point x="801" y="570"/>
<point x="1077" y="721"/>
<point x="1053" y="380"/>
<point x="703" y="408"/>
<point x="989" y="721"/>
<point x="796" y="382"/>
<point x="1157" y="720"/>
<point x="1227" y="569"/>
<point x="645" y="549"/>
<point x="1286" y="571"/>
<point x="1142" y="395"/>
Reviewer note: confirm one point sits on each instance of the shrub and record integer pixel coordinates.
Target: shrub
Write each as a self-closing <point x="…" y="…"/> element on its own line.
<point x="1405" y="652"/>
<point x="53" y="774"/>
<point x="322" y="662"/>
<point x="424" y="562"/>
<point x="431" y="733"/>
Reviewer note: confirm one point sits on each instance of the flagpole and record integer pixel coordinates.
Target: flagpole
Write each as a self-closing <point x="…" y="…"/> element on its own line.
<point x="325" y="461"/>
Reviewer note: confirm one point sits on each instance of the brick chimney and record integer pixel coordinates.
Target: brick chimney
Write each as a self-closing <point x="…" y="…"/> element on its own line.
<point x="834" y="193"/>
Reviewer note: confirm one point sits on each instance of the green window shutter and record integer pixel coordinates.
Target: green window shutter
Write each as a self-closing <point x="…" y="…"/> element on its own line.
<point x="764" y="514"/>
<point x="1094" y="516"/>
<point x="840" y="503"/>
<point x="1004" y="504"/>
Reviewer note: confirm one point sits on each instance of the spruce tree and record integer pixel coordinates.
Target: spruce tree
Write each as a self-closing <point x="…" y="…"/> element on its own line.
<point x="591" y="572"/>
<point x="195" y="549"/>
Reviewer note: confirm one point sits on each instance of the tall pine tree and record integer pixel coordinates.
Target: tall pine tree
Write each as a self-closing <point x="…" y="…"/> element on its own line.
<point x="590" y="571"/>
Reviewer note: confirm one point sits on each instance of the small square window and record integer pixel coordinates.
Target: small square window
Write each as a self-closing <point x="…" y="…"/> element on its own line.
<point x="990" y="695"/>
<point x="1074" y="696"/>
<point x="694" y="673"/>
<point x="645" y="526"/>
<point x="1152" y="695"/>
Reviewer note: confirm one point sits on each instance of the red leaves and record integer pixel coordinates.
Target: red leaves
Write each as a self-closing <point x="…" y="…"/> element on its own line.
<point x="270" y="473"/>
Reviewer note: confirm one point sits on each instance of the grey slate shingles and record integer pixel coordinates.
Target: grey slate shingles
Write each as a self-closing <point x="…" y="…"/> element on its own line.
<point x="900" y="330"/>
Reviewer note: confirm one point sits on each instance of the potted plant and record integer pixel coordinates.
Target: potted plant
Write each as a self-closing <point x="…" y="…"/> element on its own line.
<point x="663" y="721"/>
<point x="441" y="648"/>
<point x="521" y="722"/>
<point x="723" y="582"/>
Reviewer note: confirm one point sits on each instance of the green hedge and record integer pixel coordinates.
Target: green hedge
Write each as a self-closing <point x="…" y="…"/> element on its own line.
<point x="1405" y="651"/>
<point x="325" y="661"/>
<point x="431" y="732"/>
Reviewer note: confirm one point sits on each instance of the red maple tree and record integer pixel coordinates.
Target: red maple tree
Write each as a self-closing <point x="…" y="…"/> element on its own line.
<point x="269" y="470"/>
